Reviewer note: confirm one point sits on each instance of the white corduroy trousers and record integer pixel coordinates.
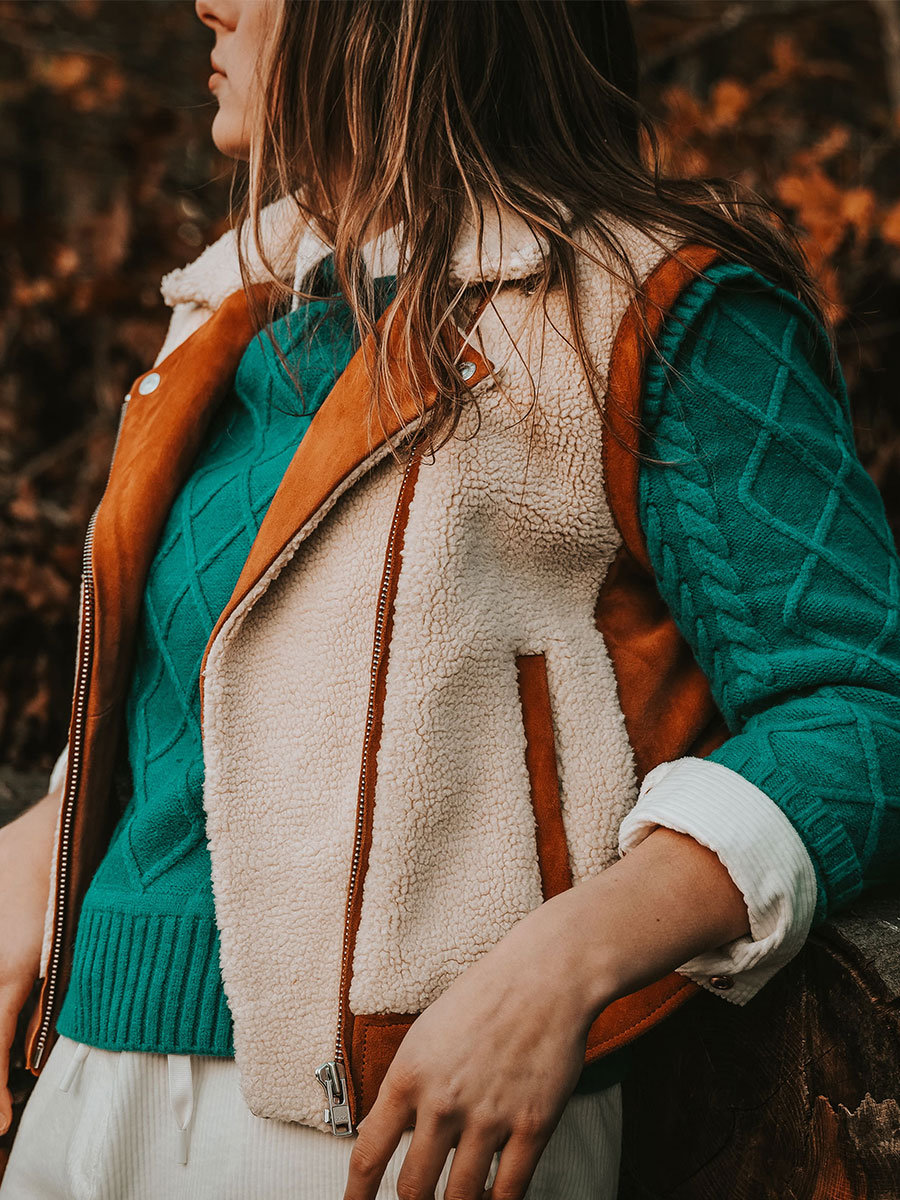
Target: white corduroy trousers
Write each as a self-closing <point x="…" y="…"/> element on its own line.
<point x="116" y="1125"/>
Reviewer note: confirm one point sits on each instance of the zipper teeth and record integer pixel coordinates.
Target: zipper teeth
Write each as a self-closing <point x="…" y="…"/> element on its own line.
<point x="73" y="771"/>
<point x="75" y="747"/>
<point x="377" y="649"/>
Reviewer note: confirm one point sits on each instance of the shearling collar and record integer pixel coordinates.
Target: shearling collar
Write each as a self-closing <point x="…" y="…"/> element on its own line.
<point x="509" y="251"/>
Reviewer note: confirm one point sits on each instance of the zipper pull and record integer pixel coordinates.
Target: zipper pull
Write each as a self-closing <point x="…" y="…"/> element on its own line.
<point x="333" y="1079"/>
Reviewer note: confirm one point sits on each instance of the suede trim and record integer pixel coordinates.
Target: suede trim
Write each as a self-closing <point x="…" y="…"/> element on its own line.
<point x="627" y="364"/>
<point x="540" y="758"/>
<point x="376" y="1039"/>
<point x="94" y="818"/>
<point x="665" y="697"/>
<point x="369" y="767"/>
<point x="160" y="435"/>
<point x="626" y="1019"/>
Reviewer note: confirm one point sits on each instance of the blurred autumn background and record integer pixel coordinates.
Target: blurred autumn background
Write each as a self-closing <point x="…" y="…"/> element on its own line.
<point x="109" y="179"/>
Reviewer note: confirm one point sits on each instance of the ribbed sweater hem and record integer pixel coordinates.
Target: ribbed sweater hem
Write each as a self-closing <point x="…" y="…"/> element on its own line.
<point x="147" y="982"/>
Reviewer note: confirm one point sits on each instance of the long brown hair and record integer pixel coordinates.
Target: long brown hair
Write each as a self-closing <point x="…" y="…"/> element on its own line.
<point x="424" y="111"/>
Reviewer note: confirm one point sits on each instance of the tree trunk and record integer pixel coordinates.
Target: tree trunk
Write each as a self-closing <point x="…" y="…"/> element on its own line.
<point x="793" y="1096"/>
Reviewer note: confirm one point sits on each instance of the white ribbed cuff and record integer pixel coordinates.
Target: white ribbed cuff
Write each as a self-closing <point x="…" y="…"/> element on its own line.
<point x="762" y="852"/>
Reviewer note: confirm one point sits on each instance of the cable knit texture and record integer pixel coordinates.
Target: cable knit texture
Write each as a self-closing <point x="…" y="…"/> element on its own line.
<point x="772" y="549"/>
<point x="146" y="971"/>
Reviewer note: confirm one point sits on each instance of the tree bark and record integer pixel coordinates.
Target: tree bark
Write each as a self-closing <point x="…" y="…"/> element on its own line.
<point x="793" y="1096"/>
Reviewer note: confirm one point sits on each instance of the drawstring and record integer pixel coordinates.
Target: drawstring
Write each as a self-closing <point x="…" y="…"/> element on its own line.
<point x="73" y="1070"/>
<point x="181" y="1091"/>
<point x="181" y="1099"/>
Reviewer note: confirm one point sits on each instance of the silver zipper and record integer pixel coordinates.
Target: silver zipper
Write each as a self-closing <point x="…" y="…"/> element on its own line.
<point x="73" y="774"/>
<point x="333" y="1079"/>
<point x="73" y="768"/>
<point x="337" y="1114"/>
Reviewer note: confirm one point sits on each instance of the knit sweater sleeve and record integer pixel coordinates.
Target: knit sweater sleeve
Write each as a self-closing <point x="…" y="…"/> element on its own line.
<point x="771" y="547"/>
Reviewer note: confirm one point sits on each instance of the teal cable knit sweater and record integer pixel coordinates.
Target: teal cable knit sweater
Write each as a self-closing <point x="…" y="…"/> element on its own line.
<point x="771" y="547"/>
<point x="769" y="543"/>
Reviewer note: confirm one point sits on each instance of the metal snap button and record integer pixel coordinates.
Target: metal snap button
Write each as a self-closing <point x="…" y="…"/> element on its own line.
<point x="722" y="982"/>
<point x="467" y="369"/>
<point x="149" y="383"/>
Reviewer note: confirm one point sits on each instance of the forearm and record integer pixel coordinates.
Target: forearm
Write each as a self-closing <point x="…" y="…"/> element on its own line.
<point x="26" y="855"/>
<point x="26" y="851"/>
<point x="32" y="831"/>
<point x="668" y="900"/>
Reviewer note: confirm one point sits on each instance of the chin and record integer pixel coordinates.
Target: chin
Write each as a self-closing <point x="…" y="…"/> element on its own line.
<point x="228" y="137"/>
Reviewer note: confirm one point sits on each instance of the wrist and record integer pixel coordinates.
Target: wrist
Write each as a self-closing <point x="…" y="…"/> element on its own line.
<point x="571" y="953"/>
<point x="595" y="947"/>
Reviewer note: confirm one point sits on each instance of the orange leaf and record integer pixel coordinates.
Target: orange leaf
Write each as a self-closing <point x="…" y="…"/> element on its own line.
<point x="858" y="208"/>
<point x="729" y="100"/>
<point x="818" y="203"/>
<point x="785" y="57"/>
<point x="684" y="113"/>
<point x="63" y="72"/>
<point x="832" y="142"/>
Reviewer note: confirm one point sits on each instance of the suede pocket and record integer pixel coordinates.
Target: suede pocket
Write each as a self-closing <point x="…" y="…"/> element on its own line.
<point x="540" y="759"/>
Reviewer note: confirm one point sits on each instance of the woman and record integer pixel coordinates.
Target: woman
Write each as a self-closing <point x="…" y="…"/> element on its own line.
<point x="442" y="651"/>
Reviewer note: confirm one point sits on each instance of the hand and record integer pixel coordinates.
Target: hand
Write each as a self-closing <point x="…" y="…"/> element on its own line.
<point x="490" y="1065"/>
<point x="26" y="849"/>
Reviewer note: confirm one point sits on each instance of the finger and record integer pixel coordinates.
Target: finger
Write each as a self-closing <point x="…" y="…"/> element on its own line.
<point x="378" y="1138"/>
<point x="472" y="1163"/>
<point x="518" y="1161"/>
<point x="432" y="1141"/>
